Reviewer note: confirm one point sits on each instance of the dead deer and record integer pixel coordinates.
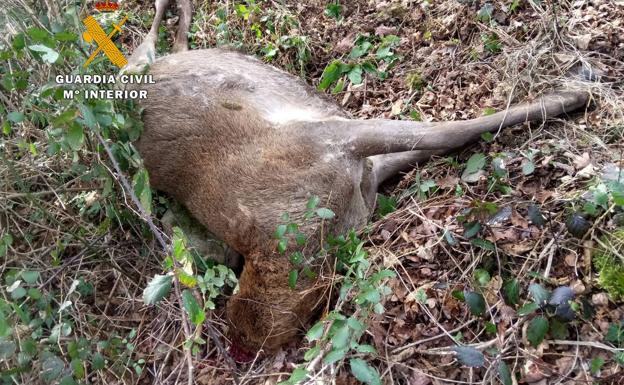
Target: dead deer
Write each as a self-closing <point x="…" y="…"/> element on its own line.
<point x="240" y="142"/>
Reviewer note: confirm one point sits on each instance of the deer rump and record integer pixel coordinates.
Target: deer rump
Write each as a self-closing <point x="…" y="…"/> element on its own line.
<point x="239" y="143"/>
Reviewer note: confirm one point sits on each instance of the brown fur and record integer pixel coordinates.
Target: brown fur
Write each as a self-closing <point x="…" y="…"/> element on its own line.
<point x="239" y="143"/>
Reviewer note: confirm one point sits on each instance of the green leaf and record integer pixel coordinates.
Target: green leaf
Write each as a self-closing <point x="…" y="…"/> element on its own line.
<point x="471" y="229"/>
<point x="528" y="167"/>
<point x="334" y="356"/>
<point x="51" y="368"/>
<point x="194" y="311"/>
<point x="293" y="275"/>
<point x="142" y="189"/>
<point x="312" y="353"/>
<point x="331" y="73"/>
<point x="340" y="337"/>
<point x="18" y="42"/>
<point x="504" y="373"/>
<point x="489" y="111"/>
<point x="482" y="277"/>
<point x="469" y="356"/>
<point x="315" y="332"/>
<point x="473" y="167"/>
<point x="385" y="205"/>
<point x="333" y="10"/>
<point x="511" y="292"/>
<point x="87" y="116"/>
<point x="16" y="116"/>
<point x="355" y="75"/>
<point x="7" y="349"/>
<point x="365" y="348"/>
<point x="30" y="277"/>
<point x="98" y="362"/>
<point x="485" y="13"/>
<point x="538" y="327"/>
<point x="296" y="377"/>
<point x="484" y="244"/>
<point x="476" y="302"/>
<point x="313" y="202"/>
<point x="528" y="309"/>
<point x="280" y="231"/>
<point x="539" y="293"/>
<point x="157" y="289"/>
<point x="364" y="372"/>
<point x="325" y="213"/>
<point x="596" y="365"/>
<point x="48" y="54"/>
<point x="488" y="137"/>
<point x="360" y="49"/>
<point x="75" y="136"/>
<point x="18" y="293"/>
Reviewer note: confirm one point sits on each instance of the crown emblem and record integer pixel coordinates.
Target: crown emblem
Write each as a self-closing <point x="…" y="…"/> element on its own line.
<point x="107" y="6"/>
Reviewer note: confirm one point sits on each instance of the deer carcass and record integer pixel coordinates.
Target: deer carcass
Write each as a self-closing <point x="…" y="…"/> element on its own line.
<point x="240" y="142"/>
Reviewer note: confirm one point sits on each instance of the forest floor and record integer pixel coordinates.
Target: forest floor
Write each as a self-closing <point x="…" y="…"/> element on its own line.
<point x="474" y="238"/>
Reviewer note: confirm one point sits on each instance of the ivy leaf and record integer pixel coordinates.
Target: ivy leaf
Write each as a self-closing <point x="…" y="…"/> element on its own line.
<point x="538" y="327"/>
<point x="194" y="311"/>
<point x="475" y="301"/>
<point x="469" y="356"/>
<point x="157" y="289"/>
<point x="364" y="372"/>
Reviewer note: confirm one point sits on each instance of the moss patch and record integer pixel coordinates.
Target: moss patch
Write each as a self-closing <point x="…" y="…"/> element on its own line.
<point x="609" y="265"/>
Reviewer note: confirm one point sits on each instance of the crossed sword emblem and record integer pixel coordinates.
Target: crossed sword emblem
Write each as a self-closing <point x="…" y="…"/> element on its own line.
<point x="104" y="42"/>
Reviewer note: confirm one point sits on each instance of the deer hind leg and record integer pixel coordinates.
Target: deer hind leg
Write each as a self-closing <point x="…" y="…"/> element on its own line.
<point x="145" y="54"/>
<point x="186" y="15"/>
<point x="365" y="138"/>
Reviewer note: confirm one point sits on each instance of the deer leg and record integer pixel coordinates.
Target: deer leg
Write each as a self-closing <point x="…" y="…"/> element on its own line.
<point x="364" y="138"/>
<point x="144" y="55"/>
<point x="186" y="14"/>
